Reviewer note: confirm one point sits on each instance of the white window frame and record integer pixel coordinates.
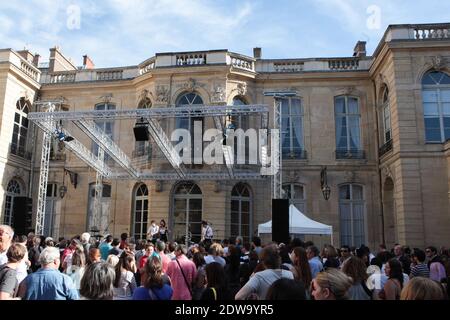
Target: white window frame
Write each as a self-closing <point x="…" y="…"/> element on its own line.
<point x="143" y="222"/>
<point x="352" y="203"/>
<point x="240" y="198"/>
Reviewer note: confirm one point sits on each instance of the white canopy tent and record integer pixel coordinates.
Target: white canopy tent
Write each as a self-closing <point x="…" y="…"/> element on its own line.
<point x="300" y="224"/>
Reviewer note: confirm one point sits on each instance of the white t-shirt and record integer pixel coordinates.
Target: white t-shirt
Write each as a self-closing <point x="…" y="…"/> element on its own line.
<point x="261" y="281"/>
<point x="3" y="258"/>
<point x="153" y="230"/>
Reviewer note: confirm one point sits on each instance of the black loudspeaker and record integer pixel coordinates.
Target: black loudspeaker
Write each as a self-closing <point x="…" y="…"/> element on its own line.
<point x="280" y="220"/>
<point x="141" y="132"/>
<point x="22" y="215"/>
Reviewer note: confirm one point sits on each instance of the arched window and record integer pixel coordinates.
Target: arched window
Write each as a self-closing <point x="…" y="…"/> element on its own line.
<point x="240" y="121"/>
<point x="292" y="143"/>
<point x="348" y="130"/>
<point x="13" y="190"/>
<point x="386" y="117"/>
<point x="20" y="130"/>
<point x="351" y="215"/>
<point x="140" y="213"/>
<point x="106" y="125"/>
<point x="187" y="212"/>
<point x="101" y="220"/>
<point x="50" y="212"/>
<point x="241" y="212"/>
<point x="296" y="195"/>
<point x="436" y="106"/>
<point x="142" y="148"/>
<point x="187" y="100"/>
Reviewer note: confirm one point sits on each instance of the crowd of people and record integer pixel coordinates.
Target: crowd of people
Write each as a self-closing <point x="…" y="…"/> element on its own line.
<point x="85" y="268"/>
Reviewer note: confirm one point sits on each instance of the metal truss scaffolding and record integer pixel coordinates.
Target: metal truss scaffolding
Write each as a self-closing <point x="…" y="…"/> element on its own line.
<point x="86" y="122"/>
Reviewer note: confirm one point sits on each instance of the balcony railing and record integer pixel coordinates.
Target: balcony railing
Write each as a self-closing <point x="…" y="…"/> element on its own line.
<point x="240" y="62"/>
<point x="288" y="66"/>
<point x="29" y="70"/>
<point x="146" y="67"/>
<point x="191" y="59"/>
<point x="294" y="154"/>
<point x="350" y="154"/>
<point x="385" y="148"/>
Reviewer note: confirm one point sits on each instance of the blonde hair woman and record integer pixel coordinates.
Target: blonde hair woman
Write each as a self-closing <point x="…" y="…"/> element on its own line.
<point x="331" y="284"/>
<point x="421" y="288"/>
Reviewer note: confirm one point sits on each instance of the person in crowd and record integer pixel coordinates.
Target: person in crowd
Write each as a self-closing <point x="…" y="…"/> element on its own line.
<point x="165" y="260"/>
<point x="245" y="252"/>
<point x="84" y="239"/>
<point x="381" y="247"/>
<point x="68" y="254"/>
<point x="331" y="284"/>
<point x="215" y="254"/>
<point x="6" y="236"/>
<point x="373" y="282"/>
<point x="345" y="254"/>
<point x="115" y="247"/>
<point x="234" y="270"/>
<point x="182" y="272"/>
<point x="125" y="283"/>
<point x="49" y="242"/>
<point x="97" y="282"/>
<point x="171" y="250"/>
<point x="256" y="244"/>
<point x="301" y="268"/>
<point x="238" y="242"/>
<point x="419" y="268"/>
<point x="35" y="251"/>
<point x="330" y="257"/>
<point x="400" y="255"/>
<point x="153" y="232"/>
<point x="75" y="269"/>
<point x="314" y="262"/>
<point x="422" y="288"/>
<point x="207" y="234"/>
<point x="286" y="262"/>
<point x="8" y="271"/>
<point x="113" y="260"/>
<point x="106" y="247"/>
<point x="123" y="241"/>
<point x="48" y="283"/>
<point x="24" y="265"/>
<point x="149" y="252"/>
<point x="435" y="264"/>
<point x="287" y="289"/>
<point x="199" y="283"/>
<point x="94" y="255"/>
<point x="217" y="284"/>
<point x="356" y="269"/>
<point x="163" y="231"/>
<point x="259" y="283"/>
<point x="225" y="244"/>
<point x="155" y="287"/>
<point x="393" y="286"/>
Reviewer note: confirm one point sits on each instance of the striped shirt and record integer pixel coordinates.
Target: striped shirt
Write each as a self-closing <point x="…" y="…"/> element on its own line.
<point x="420" y="270"/>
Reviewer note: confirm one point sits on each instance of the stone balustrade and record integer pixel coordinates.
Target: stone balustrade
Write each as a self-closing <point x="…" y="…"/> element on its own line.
<point x="343" y="64"/>
<point x="29" y="70"/>
<point x="65" y="77"/>
<point x="288" y="66"/>
<point x="241" y="62"/>
<point x="109" y="75"/>
<point x="147" y="66"/>
<point x="190" y="59"/>
<point x="439" y="31"/>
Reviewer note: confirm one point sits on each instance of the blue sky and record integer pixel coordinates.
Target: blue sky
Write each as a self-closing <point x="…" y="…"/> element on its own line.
<point x="126" y="32"/>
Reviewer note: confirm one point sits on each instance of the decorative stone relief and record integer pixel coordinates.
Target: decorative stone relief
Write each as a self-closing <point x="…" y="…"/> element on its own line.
<point x="19" y="173"/>
<point x="292" y="176"/>
<point x="387" y="172"/>
<point x="437" y="62"/>
<point x="350" y="176"/>
<point x="218" y="93"/>
<point x="162" y="94"/>
<point x="145" y="94"/>
<point x="107" y="98"/>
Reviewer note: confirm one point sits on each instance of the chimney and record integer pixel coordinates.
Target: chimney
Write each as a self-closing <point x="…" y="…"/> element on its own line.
<point x="257" y="53"/>
<point x="27" y="55"/>
<point x="360" y="49"/>
<point x="88" y="63"/>
<point x="36" y="60"/>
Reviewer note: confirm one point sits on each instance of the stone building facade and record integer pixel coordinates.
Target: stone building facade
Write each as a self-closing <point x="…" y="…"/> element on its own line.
<point x="379" y="124"/>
